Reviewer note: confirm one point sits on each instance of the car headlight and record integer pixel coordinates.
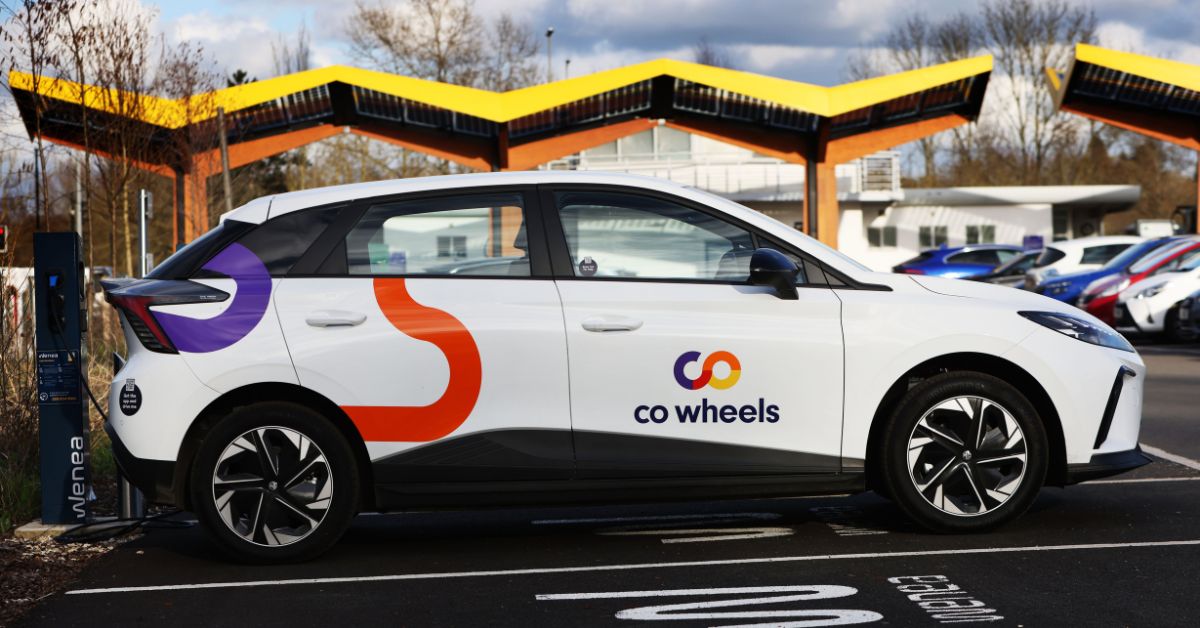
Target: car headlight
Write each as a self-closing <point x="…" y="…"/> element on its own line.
<point x="1115" y="288"/>
<point x="1150" y="292"/>
<point x="1080" y="329"/>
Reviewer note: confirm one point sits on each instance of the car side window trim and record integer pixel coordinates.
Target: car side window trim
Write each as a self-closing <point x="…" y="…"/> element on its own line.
<point x="326" y="257"/>
<point x="563" y="269"/>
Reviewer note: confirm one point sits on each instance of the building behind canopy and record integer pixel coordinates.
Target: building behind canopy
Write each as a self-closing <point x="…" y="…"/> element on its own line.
<point x="796" y="123"/>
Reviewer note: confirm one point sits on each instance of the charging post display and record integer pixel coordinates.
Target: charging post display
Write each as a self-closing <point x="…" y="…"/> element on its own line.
<point x="61" y="358"/>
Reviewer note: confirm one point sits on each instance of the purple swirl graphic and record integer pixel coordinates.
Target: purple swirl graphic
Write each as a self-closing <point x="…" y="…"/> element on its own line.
<point x="250" y="299"/>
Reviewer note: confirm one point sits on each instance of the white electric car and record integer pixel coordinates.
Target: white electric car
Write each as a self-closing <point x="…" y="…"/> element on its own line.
<point x="542" y="337"/>
<point x="1151" y="306"/>
<point x="1068" y="256"/>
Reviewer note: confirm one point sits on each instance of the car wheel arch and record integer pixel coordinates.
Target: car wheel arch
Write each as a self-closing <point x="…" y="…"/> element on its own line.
<point x="271" y="391"/>
<point x="986" y="364"/>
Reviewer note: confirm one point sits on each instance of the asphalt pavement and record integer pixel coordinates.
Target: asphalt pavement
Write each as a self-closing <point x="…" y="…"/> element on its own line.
<point x="1118" y="552"/>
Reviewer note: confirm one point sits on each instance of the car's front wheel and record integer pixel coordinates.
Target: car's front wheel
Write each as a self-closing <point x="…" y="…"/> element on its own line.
<point x="274" y="482"/>
<point x="964" y="452"/>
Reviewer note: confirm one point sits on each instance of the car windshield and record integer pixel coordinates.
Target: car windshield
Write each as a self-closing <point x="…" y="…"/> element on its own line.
<point x="1048" y="257"/>
<point x="1190" y="262"/>
<point x="1018" y="264"/>
<point x="1133" y="253"/>
<point x="1159" y="255"/>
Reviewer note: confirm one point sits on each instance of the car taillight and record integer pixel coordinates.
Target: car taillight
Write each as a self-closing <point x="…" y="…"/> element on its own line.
<point x="134" y="298"/>
<point x="912" y="271"/>
<point x="141" y="321"/>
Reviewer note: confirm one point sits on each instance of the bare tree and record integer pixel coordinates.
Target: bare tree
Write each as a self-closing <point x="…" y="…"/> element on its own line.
<point x="76" y="37"/>
<point x="121" y="67"/>
<point x="440" y="40"/>
<point x="514" y="48"/>
<point x="292" y="57"/>
<point x="707" y="53"/>
<point x="1026" y="37"/>
<point x="29" y="38"/>
<point x="446" y="41"/>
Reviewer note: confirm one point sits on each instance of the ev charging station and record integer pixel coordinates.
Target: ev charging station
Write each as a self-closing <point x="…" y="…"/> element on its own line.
<point x="61" y="354"/>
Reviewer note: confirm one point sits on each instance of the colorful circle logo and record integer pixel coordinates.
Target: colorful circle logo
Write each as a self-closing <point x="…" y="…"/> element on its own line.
<point x="706" y="373"/>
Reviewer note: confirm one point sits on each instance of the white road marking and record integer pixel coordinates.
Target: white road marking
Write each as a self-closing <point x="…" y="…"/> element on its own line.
<point x="657" y="518"/>
<point x="713" y="534"/>
<point x="629" y="566"/>
<point x="610" y="595"/>
<point x="1140" y="480"/>
<point x="1176" y="458"/>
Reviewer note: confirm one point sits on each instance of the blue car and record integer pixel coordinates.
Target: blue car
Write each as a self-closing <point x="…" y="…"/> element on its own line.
<point x="959" y="261"/>
<point x="1067" y="288"/>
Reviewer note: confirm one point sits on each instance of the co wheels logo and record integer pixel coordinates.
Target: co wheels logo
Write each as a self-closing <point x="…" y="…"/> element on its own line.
<point x="759" y="411"/>
<point x="706" y="377"/>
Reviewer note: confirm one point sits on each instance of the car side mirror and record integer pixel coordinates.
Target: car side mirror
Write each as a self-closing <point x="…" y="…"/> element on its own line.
<point x="769" y="267"/>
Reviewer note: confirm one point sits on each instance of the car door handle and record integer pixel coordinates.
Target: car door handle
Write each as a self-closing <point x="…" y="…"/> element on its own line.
<point x="611" y="323"/>
<point x="334" y="318"/>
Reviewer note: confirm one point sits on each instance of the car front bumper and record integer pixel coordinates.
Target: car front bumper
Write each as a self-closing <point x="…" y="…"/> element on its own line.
<point x="1105" y="465"/>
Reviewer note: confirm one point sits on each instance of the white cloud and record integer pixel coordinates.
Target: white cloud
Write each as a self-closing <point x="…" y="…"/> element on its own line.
<point x="1123" y="36"/>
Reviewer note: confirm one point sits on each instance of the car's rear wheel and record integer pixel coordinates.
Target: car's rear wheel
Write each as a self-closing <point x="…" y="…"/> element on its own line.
<point x="274" y="482"/>
<point x="964" y="452"/>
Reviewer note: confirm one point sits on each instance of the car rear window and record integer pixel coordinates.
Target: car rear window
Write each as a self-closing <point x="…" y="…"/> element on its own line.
<point x="920" y="258"/>
<point x="984" y="257"/>
<point x="1160" y="255"/>
<point x="1102" y="254"/>
<point x="1048" y="257"/>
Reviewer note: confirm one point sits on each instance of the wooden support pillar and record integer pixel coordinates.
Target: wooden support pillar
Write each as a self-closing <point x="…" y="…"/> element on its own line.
<point x="191" y="204"/>
<point x="821" y="213"/>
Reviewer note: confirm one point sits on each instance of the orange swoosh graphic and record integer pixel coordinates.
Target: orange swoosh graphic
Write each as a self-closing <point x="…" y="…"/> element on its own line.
<point x="424" y="423"/>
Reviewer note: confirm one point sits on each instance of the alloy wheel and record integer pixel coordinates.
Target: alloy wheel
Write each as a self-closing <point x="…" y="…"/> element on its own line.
<point x="272" y="486"/>
<point x="967" y="456"/>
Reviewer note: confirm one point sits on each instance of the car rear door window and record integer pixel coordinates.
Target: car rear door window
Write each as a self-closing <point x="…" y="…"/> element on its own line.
<point x="1048" y="257"/>
<point x="476" y="235"/>
<point x="279" y="242"/>
<point x="1101" y="254"/>
<point x="985" y="257"/>
<point x="618" y="235"/>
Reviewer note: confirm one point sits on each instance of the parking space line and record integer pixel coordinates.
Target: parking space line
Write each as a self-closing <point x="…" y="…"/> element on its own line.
<point x="1140" y="480"/>
<point x="626" y="567"/>
<point x="1176" y="458"/>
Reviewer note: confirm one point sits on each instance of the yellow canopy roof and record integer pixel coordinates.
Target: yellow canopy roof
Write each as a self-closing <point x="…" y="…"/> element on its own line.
<point x="506" y="106"/>
<point x="1184" y="75"/>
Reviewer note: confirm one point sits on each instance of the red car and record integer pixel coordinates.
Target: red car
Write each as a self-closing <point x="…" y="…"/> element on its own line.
<point x="1100" y="297"/>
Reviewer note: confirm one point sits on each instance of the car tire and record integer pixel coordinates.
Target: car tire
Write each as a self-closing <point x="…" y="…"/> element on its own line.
<point x="274" y="482"/>
<point x="1174" y="331"/>
<point x="964" y="452"/>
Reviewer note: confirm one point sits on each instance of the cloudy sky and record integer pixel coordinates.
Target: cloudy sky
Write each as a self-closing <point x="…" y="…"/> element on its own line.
<point x="805" y="40"/>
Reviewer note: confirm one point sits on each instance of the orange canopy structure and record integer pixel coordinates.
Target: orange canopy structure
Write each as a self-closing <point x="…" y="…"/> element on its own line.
<point x="521" y="129"/>
<point x="1155" y="97"/>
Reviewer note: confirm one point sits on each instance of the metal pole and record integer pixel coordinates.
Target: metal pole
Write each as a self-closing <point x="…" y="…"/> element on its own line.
<point x="224" y="159"/>
<point x="144" y="209"/>
<point x="549" y="56"/>
<point x="79" y="199"/>
<point x="567" y="68"/>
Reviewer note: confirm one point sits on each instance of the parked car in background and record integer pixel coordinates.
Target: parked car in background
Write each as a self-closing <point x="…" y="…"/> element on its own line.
<point x="1071" y="256"/>
<point x="1068" y="287"/>
<point x="959" y="261"/>
<point x="1012" y="272"/>
<point x="1188" y="315"/>
<point x="1100" y="297"/>
<point x="1152" y="306"/>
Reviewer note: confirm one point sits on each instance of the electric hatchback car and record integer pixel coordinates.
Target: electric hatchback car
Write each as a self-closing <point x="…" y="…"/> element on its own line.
<point x="960" y="261"/>
<point x="1100" y="297"/>
<point x="1067" y="288"/>
<point x="1153" y="306"/>
<point x="1071" y="256"/>
<point x="543" y="337"/>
